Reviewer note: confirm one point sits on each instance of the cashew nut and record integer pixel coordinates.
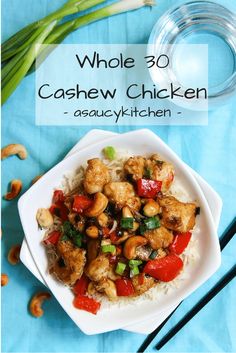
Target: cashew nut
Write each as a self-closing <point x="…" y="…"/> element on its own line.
<point x="124" y="237"/>
<point x="131" y="244"/>
<point x="99" y="204"/>
<point x="135" y="226"/>
<point x="44" y="218"/>
<point x="92" y="232"/>
<point x="12" y="149"/>
<point x="98" y="268"/>
<point x="126" y="213"/>
<point x="13" y="254"/>
<point x="4" y="279"/>
<point x="151" y="208"/>
<point x="36" y="302"/>
<point x="36" y="179"/>
<point x="108" y="287"/>
<point x="93" y="246"/>
<point x="102" y="220"/>
<point x="16" y="186"/>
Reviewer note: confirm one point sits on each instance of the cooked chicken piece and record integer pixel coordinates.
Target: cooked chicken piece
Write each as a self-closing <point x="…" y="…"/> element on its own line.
<point x="134" y="203"/>
<point x="176" y="215"/>
<point x="111" y="273"/>
<point x="134" y="167"/>
<point x="98" y="268"/>
<point x="142" y="284"/>
<point x="96" y="176"/>
<point x="161" y="253"/>
<point x="108" y="287"/>
<point x="122" y="194"/>
<point x="160" y="170"/>
<point x="159" y="237"/>
<point x="69" y="268"/>
<point x="143" y="252"/>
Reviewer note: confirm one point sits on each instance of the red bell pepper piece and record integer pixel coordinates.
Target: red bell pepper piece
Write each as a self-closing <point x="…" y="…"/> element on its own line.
<point x="105" y="232"/>
<point x="114" y="237"/>
<point x="58" y="195"/>
<point x="81" y="203"/>
<point x="148" y="188"/>
<point x="83" y="302"/>
<point x="165" y="269"/>
<point x="52" y="238"/>
<point x="60" y="210"/>
<point x="81" y="286"/>
<point x="124" y="287"/>
<point x="180" y="242"/>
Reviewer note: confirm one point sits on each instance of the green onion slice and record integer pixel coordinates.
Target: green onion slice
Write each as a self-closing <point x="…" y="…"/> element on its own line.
<point x="152" y="223"/>
<point x="134" y="271"/>
<point x="120" y="268"/>
<point x="147" y="173"/>
<point x="153" y="255"/>
<point x="127" y="222"/>
<point x="135" y="263"/>
<point x="77" y="240"/>
<point x="142" y="229"/>
<point x="109" y="153"/>
<point x="109" y="248"/>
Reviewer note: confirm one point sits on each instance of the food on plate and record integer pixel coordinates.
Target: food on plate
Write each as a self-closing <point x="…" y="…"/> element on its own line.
<point x="120" y="232"/>
<point x="12" y="149"/>
<point x="14" y="255"/>
<point x="70" y="263"/>
<point x="96" y="176"/>
<point x="35" y="305"/>
<point x="44" y="218"/>
<point x="176" y="215"/>
<point x="16" y="186"/>
<point x="109" y="153"/>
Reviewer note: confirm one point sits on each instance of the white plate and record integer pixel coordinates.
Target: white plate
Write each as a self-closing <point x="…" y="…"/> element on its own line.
<point x="213" y="199"/>
<point x="39" y="195"/>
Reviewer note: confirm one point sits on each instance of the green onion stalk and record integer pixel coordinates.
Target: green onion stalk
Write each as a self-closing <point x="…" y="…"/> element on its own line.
<point x="15" y="49"/>
<point x="19" y="53"/>
<point x="29" y="58"/>
<point x="26" y="36"/>
<point x="61" y="31"/>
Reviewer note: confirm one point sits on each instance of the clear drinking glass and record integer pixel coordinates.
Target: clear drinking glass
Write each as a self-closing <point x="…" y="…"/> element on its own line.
<point x="201" y="22"/>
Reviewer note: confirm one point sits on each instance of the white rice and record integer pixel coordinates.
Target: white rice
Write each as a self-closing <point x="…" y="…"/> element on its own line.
<point x="72" y="181"/>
